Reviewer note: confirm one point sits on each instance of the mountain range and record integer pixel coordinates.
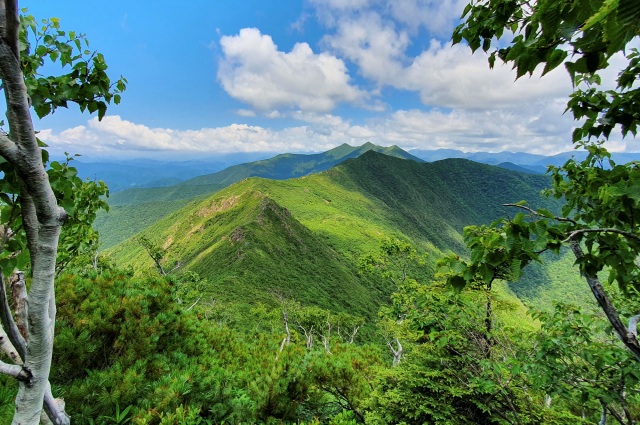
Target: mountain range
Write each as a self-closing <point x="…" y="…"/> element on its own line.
<point x="159" y="201"/>
<point x="304" y="236"/>
<point x="145" y="173"/>
<point x="525" y="161"/>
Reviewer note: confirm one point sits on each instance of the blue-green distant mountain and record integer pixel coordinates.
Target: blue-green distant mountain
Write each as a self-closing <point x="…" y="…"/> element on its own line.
<point x="288" y="166"/>
<point x="528" y="161"/>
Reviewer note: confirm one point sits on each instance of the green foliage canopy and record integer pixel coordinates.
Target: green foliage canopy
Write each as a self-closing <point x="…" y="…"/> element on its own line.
<point x="599" y="220"/>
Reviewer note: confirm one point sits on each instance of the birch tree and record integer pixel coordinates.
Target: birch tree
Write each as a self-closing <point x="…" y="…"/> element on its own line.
<point x="33" y="211"/>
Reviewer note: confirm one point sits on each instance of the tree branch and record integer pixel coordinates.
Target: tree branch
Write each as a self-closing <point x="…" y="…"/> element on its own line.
<point x="627" y="338"/>
<point x="575" y="233"/>
<point x="534" y="212"/>
<point x="8" y="324"/>
<point x="20" y="303"/>
<point x="17" y="371"/>
<point x="7" y="147"/>
<point x="7" y="347"/>
<point x="54" y="408"/>
<point x="633" y="325"/>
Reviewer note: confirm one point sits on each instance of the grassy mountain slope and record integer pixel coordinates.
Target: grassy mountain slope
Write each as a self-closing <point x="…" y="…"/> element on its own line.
<point x="279" y="167"/>
<point x="304" y="236"/>
<point x="435" y="201"/>
<point x="248" y="247"/>
<point x="139" y="196"/>
<point x="134" y="209"/>
<point x="122" y="221"/>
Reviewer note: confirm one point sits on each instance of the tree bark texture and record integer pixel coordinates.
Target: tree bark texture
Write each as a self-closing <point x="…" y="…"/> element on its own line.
<point x="42" y="219"/>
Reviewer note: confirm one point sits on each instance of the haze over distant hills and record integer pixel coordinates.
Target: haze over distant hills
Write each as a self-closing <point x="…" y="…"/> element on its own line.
<point x="125" y="174"/>
<point x="526" y="161"/>
<point x="145" y="173"/>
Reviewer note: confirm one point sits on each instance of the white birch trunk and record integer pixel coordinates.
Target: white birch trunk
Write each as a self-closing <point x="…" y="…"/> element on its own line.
<point x="396" y="351"/>
<point x="7" y="347"/>
<point x="42" y="220"/>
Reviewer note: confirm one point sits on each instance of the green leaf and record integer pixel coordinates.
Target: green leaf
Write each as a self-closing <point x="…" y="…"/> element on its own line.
<point x="607" y="8"/>
<point x="457" y="282"/>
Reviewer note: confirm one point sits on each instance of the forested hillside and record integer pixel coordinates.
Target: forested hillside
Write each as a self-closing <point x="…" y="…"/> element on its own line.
<point x="304" y="237"/>
<point x="286" y="297"/>
<point x="357" y="286"/>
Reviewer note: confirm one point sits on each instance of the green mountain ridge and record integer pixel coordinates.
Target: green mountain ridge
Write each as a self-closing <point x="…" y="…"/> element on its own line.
<point x="280" y="167"/>
<point x="134" y="209"/>
<point x="288" y="166"/>
<point x="250" y="248"/>
<point x="303" y="237"/>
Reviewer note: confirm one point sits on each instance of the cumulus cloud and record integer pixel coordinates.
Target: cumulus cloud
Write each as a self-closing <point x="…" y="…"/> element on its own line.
<point x="436" y="16"/>
<point x="450" y="76"/>
<point x="531" y="129"/>
<point x="254" y="71"/>
<point x="373" y="45"/>
<point x="115" y="135"/>
<point x="472" y="131"/>
<point x="379" y="41"/>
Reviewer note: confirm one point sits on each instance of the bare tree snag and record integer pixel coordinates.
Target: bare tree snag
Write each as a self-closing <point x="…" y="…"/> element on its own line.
<point x="396" y="351"/>
<point x="287" y="339"/>
<point x="633" y="325"/>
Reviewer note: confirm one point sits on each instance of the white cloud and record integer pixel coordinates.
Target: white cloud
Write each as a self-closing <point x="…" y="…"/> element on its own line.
<point x="436" y="16"/>
<point x="529" y="129"/>
<point x="450" y="76"/>
<point x="246" y="113"/>
<point x="489" y="130"/>
<point x="342" y="5"/>
<point x="373" y="45"/>
<point x="114" y="135"/>
<point x="378" y="40"/>
<point x="254" y="71"/>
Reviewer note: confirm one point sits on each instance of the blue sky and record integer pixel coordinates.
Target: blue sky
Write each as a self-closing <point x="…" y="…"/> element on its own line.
<point x="299" y="76"/>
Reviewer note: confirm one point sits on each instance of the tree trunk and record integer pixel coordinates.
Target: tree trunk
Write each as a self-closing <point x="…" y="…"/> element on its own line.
<point x="397" y="352"/>
<point x="42" y="220"/>
<point x="20" y="305"/>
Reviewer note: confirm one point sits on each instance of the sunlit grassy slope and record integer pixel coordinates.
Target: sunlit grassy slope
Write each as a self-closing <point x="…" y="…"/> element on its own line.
<point x="303" y="237"/>
<point x="134" y="209"/>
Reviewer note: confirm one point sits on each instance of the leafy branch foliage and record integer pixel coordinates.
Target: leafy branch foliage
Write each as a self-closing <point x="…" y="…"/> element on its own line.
<point x="87" y="84"/>
<point x="578" y="357"/>
<point x="599" y="219"/>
